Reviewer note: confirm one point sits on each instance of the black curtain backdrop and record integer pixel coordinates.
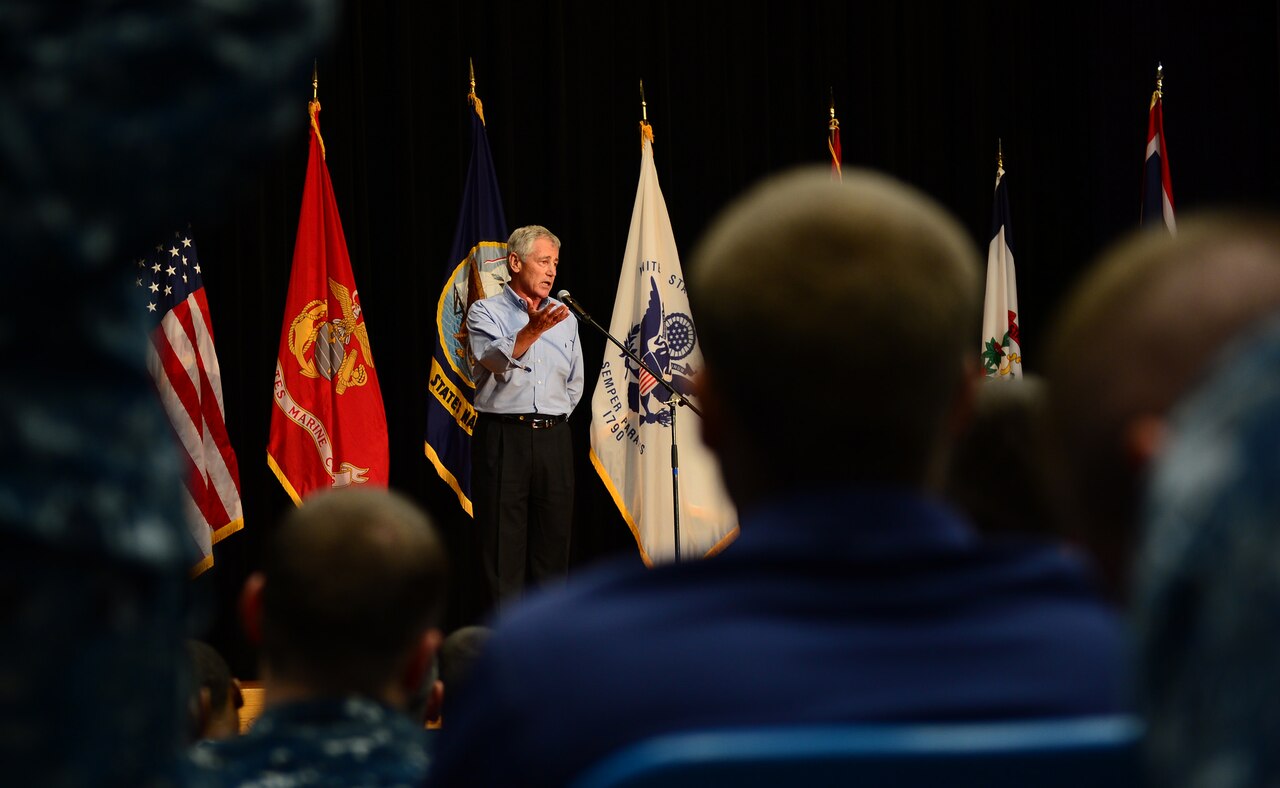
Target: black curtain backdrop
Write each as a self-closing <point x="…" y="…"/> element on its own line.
<point x="735" y="92"/>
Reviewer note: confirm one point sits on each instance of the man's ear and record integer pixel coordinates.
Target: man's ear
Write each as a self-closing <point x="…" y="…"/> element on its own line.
<point x="251" y="607"/>
<point x="712" y="421"/>
<point x="966" y="399"/>
<point x="513" y="262"/>
<point x="435" y="702"/>
<point x="1144" y="437"/>
<point x="203" y="712"/>
<point x="419" y="664"/>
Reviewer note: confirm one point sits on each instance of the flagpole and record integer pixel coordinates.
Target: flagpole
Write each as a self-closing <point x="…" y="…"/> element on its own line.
<point x="833" y="139"/>
<point x="676" y="398"/>
<point x="674" y="402"/>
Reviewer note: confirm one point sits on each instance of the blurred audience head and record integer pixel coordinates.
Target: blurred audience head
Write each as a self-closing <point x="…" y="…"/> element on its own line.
<point x="215" y="694"/>
<point x="1207" y="591"/>
<point x="1132" y="338"/>
<point x="454" y="661"/>
<point x="349" y="598"/>
<point x="459" y="654"/>
<point x="995" y="471"/>
<point x="868" y="292"/>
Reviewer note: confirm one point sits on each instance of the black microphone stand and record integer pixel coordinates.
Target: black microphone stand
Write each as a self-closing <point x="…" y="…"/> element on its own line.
<point x="677" y="399"/>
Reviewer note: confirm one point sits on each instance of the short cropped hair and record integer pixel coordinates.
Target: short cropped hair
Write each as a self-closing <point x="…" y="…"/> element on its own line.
<point x="353" y="578"/>
<point x="522" y="239"/>
<point x="209" y="671"/>
<point x="855" y="303"/>
<point x="458" y="654"/>
<point x="1136" y="334"/>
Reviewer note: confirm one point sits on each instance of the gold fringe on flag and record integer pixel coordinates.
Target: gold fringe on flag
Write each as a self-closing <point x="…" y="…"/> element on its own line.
<point x="312" y="108"/>
<point x="472" y="98"/>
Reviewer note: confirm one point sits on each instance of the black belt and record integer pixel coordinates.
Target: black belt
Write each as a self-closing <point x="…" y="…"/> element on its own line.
<point x="535" y="421"/>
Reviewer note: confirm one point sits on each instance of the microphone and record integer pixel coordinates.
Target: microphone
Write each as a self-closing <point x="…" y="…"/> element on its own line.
<point x="573" y="304"/>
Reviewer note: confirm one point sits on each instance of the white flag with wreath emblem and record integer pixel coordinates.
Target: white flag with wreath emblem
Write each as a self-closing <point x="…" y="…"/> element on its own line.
<point x="631" y="429"/>
<point x="1001" y="352"/>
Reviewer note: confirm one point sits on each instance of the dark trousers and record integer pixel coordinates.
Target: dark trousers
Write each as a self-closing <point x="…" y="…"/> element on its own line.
<point x="522" y="498"/>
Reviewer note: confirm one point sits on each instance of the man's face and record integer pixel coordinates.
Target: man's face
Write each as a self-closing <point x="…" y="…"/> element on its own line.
<point x="533" y="276"/>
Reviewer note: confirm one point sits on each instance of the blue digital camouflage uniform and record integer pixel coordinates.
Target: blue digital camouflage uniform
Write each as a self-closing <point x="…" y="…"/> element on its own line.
<point x="1207" y="602"/>
<point x="119" y="119"/>
<point x="349" y="741"/>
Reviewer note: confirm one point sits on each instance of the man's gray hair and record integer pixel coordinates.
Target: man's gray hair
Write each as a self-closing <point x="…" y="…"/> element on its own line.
<point x="522" y="240"/>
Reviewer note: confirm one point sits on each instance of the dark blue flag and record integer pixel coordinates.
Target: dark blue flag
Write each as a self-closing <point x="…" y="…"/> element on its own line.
<point x="477" y="268"/>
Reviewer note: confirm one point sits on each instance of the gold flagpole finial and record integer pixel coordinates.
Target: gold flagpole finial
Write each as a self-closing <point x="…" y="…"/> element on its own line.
<point x="472" y="98"/>
<point x="646" y="131"/>
<point x="999" y="160"/>
<point x="831" y="108"/>
<point x="1158" y="93"/>
<point x="313" y="106"/>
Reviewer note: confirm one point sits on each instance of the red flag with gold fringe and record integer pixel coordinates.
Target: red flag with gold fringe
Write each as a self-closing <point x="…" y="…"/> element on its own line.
<point x="328" y="426"/>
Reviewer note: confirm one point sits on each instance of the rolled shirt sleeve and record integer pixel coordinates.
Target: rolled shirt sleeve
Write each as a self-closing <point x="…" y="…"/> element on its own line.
<point x="490" y="346"/>
<point x="549" y="377"/>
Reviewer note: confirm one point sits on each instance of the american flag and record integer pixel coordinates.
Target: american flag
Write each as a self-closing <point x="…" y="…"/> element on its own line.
<point x="647" y="381"/>
<point x="184" y="364"/>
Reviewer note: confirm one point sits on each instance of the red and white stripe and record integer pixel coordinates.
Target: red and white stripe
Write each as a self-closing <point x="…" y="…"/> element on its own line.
<point x="1155" y="146"/>
<point x="647" y="381"/>
<point x="184" y="364"/>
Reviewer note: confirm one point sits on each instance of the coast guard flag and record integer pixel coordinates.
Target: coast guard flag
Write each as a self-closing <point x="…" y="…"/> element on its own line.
<point x="477" y="269"/>
<point x="1157" y="189"/>
<point x="184" y="365"/>
<point x="630" y="422"/>
<point x="328" y="427"/>
<point x="1001" y="352"/>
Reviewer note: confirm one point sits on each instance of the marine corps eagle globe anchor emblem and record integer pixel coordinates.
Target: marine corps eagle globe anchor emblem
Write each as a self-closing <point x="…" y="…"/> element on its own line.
<point x="323" y="347"/>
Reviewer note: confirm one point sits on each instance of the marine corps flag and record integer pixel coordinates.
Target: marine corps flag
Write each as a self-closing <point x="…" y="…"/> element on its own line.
<point x="477" y="269"/>
<point x="328" y="427"/>
<point x="1157" y="189"/>
<point x="1001" y="350"/>
<point x="631" y="428"/>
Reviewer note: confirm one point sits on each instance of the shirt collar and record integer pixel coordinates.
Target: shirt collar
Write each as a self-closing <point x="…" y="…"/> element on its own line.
<point x="514" y="298"/>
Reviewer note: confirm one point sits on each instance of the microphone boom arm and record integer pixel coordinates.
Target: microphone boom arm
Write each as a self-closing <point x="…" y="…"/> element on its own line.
<point x="573" y="304"/>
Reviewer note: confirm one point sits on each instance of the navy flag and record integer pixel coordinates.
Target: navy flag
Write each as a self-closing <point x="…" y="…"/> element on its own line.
<point x="477" y="269"/>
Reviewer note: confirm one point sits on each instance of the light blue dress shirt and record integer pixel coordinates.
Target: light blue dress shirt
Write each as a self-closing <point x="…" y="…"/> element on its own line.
<point x="548" y="379"/>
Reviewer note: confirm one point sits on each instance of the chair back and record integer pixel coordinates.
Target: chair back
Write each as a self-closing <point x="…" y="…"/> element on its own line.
<point x="1098" y="752"/>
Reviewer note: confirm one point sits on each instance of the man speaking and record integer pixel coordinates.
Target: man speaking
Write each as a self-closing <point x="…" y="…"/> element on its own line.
<point x="528" y="371"/>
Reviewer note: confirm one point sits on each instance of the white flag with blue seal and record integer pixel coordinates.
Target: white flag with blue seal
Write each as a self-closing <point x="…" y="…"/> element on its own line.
<point x="630" y="421"/>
